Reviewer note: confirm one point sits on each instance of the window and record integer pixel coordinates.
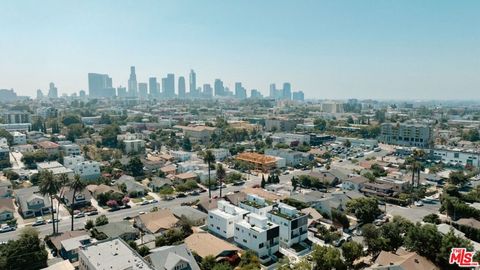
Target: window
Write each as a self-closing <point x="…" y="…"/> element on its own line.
<point x="261" y="245"/>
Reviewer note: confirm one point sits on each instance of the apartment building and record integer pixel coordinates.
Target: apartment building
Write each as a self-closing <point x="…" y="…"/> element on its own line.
<point x="19" y="138"/>
<point x="256" y="204"/>
<point x="457" y="156"/>
<point x="88" y="170"/>
<point x="71" y="149"/>
<point x="134" y="146"/>
<point x="198" y="134"/>
<point x="418" y="135"/>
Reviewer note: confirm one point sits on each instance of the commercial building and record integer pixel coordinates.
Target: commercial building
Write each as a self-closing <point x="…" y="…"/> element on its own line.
<point x="457" y="156"/>
<point x="198" y="134"/>
<point x="100" y="85"/>
<point x="221" y="221"/>
<point x="418" y="135"/>
<point x="281" y="124"/>
<point x="16" y="117"/>
<point x="292" y="158"/>
<point x="293" y="224"/>
<point x="21" y="127"/>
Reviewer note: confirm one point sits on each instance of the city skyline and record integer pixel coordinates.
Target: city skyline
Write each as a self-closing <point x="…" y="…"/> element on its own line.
<point x="327" y="49"/>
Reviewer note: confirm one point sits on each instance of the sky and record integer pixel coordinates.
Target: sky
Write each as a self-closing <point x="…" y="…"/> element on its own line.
<point x="336" y="49"/>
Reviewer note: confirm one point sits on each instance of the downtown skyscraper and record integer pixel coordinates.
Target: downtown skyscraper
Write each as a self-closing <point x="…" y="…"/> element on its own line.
<point x="132" y="83"/>
<point x="100" y="85"/>
<point x="169" y="86"/>
<point x="193" y="83"/>
<point x="153" y="87"/>
<point x="181" y="87"/>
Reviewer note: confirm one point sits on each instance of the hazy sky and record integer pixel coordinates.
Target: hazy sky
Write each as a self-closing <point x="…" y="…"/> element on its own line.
<point x="329" y="49"/>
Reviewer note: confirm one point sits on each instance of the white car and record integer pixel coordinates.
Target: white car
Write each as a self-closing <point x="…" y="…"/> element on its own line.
<point x="418" y="203"/>
<point x="79" y="215"/>
<point x="6" y="228"/>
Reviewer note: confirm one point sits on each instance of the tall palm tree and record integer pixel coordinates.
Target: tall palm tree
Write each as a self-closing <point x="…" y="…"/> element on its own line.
<point x="76" y="185"/>
<point x="62" y="182"/>
<point x="209" y="158"/>
<point x="49" y="186"/>
<point x="220" y="176"/>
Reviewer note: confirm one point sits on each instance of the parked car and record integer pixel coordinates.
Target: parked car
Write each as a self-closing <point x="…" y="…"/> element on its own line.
<point x="92" y="213"/>
<point x="153" y="201"/>
<point x="79" y="215"/>
<point x="49" y="221"/>
<point x="6" y="228"/>
<point x="418" y="203"/>
<point x="194" y="193"/>
<point x="238" y="183"/>
<point x="169" y="198"/>
<point x="39" y="221"/>
<point x="145" y="202"/>
<point x="181" y="195"/>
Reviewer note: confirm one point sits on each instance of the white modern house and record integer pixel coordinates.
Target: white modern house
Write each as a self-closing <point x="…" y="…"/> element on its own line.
<point x="257" y="233"/>
<point x="221" y="221"/>
<point x="220" y="153"/>
<point x="71" y="149"/>
<point x="293" y="224"/>
<point x="256" y="204"/>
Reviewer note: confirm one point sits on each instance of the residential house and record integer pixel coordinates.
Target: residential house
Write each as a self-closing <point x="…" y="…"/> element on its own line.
<point x="72" y="161"/>
<point x="293" y="224"/>
<point x="221" y="221"/>
<point x="158" y="183"/>
<point x="256" y="204"/>
<point x="110" y="254"/>
<point x="121" y="229"/>
<point x="402" y="260"/>
<point x="220" y="153"/>
<point x="96" y="190"/>
<point x="354" y="183"/>
<point x="257" y="233"/>
<point x="82" y="198"/>
<point x="50" y="147"/>
<point x="71" y="149"/>
<point x="181" y="155"/>
<point x="69" y="247"/>
<point x="133" y="188"/>
<point x="55" y="168"/>
<point x="6" y="209"/>
<point x="6" y="190"/>
<point x="55" y="241"/>
<point x="193" y="215"/>
<point x="156" y="222"/>
<point x="205" y="244"/>
<point x="31" y="203"/>
<point x="172" y="258"/>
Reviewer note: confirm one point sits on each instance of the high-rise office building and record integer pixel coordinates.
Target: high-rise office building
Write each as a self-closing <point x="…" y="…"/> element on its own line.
<point x="100" y="85"/>
<point x="193" y="83"/>
<point x="152" y="84"/>
<point x="207" y="91"/>
<point x="254" y="93"/>
<point x="287" y="91"/>
<point x="169" y="89"/>
<point x="273" y="91"/>
<point x="121" y="91"/>
<point x="181" y="87"/>
<point x="219" y="88"/>
<point x="39" y="94"/>
<point x="52" y="91"/>
<point x="132" y="83"/>
<point x="143" y="90"/>
<point x="298" y="96"/>
<point x="240" y="91"/>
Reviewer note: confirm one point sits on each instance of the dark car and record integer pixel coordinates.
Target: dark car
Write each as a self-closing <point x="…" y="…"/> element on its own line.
<point x="181" y="195"/>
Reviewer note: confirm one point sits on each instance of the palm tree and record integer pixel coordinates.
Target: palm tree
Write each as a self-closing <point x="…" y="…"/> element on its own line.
<point x="209" y="158"/>
<point x="62" y="183"/>
<point x="49" y="186"/>
<point x="220" y="176"/>
<point x="77" y="185"/>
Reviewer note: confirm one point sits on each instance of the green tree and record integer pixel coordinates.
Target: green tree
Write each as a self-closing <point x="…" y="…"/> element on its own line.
<point x="143" y="251"/>
<point x="263" y="183"/>
<point x="327" y="258"/>
<point x="109" y="136"/>
<point x="373" y="239"/>
<point x="424" y="239"/>
<point x="249" y="260"/>
<point x="49" y="186"/>
<point x="209" y="158"/>
<point x="365" y="209"/>
<point x="457" y="178"/>
<point x="208" y="262"/>
<point x="101" y="220"/>
<point x="26" y="253"/>
<point x="77" y="186"/>
<point x="89" y="224"/>
<point x="351" y="251"/>
<point x="221" y="174"/>
<point x="135" y="166"/>
<point x="432" y="218"/>
<point x="294" y="183"/>
<point x="187" y="144"/>
<point x="5" y="134"/>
